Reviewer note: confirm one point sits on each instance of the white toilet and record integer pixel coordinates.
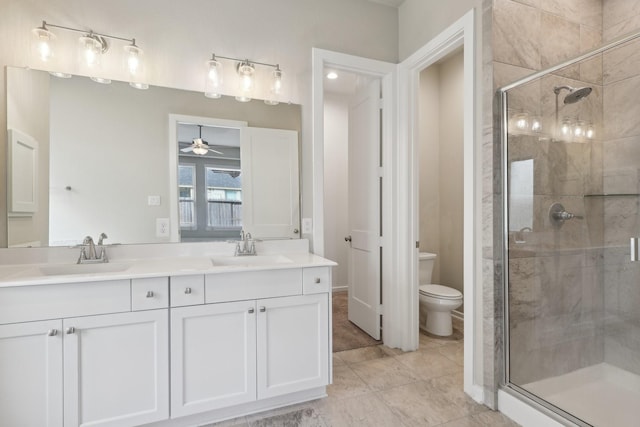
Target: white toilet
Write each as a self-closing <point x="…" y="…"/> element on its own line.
<point x="436" y="301"/>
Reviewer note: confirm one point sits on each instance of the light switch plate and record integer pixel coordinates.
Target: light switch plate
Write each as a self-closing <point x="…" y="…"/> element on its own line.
<point x="162" y="227"/>
<point x="307" y="225"/>
<point x="153" y="200"/>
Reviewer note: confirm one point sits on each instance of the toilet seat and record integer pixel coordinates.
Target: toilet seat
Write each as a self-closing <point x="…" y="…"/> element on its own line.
<point x="439" y="291"/>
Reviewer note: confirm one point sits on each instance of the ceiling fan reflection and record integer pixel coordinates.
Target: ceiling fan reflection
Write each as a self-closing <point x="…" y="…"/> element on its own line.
<point x="199" y="146"/>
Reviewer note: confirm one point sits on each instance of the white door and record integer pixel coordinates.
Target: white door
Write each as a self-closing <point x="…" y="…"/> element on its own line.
<point x="293" y="344"/>
<point x="116" y="369"/>
<point x="213" y="356"/>
<point x="365" y="188"/>
<point x="31" y="374"/>
<point x="270" y="186"/>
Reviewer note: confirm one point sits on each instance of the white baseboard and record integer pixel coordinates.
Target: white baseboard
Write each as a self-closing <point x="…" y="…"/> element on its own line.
<point x="338" y="288"/>
<point x="476" y="392"/>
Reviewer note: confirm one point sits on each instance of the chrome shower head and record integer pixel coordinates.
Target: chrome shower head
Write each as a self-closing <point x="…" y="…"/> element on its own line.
<point x="575" y="93"/>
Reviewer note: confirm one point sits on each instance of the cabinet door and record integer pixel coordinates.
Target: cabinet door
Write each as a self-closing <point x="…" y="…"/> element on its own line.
<point x="31" y="374"/>
<point x="213" y="356"/>
<point x="116" y="369"/>
<point x="293" y="344"/>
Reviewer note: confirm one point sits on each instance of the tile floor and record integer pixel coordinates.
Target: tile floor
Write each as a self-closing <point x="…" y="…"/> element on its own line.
<point x="379" y="386"/>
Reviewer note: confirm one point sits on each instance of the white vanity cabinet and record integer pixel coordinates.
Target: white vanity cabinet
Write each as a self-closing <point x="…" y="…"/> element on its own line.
<point x="96" y="369"/>
<point x="228" y="353"/>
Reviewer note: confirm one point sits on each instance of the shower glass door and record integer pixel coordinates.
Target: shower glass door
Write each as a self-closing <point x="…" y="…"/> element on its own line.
<point x="571" y="184"/>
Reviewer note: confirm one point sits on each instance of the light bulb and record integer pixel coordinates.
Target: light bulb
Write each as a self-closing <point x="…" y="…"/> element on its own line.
<point x="43" y="42"/>
<point x="579" y="129"/>
<point x="213" y="81"/>
<point x="201" y="151"/>
<point x="332" y="75"/>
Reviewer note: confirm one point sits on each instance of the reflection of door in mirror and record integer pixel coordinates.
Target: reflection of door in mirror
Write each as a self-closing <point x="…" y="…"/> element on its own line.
<point x="521" y="196"/>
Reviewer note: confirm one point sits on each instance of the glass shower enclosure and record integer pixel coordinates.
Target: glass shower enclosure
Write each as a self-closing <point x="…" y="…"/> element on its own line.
<point x="571" y="216"/>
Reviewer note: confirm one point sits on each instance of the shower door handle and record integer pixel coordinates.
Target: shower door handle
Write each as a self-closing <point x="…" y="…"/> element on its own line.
<point x="634" y="248"/>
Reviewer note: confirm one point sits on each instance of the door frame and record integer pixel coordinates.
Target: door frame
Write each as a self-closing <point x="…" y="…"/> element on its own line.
<point x="459" y="34"/>
<point x="387" y="73"/>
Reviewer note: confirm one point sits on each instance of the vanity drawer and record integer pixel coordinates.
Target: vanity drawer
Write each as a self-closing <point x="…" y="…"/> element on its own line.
<point x="40" y="302"/>
<point x="187" y="290"/>
<point x="316" y="280"/>
<point x="149" y="293"/>
<point x="239" y="286"/>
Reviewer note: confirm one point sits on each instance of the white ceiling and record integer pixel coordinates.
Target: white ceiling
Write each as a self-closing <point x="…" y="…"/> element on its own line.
<point x="392" y="3"/>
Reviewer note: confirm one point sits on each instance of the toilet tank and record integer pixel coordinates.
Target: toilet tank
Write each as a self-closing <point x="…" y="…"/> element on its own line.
<point x="425" y="267"/>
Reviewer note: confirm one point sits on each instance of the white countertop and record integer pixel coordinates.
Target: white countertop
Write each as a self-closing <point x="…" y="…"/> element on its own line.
<point x="156" y="265"/>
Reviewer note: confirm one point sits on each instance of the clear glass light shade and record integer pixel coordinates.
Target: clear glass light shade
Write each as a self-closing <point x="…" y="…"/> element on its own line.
<point x="213" y="80"/>
<point x="275" y="87"/>
<point x="536" y="124"/>
<point x="579" y="129"/>
<point x="43" y="43"/>
<point x="246" y="73"/>
<point x="566" y="128"/>
<point x="90" y="51"/>
<point x="521" y="121"/>
<point x="134" y="62"/>
<point x="590" y="132"/>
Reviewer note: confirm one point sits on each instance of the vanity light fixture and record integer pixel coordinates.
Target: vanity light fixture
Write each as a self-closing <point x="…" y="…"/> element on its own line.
<point x="92" y="47"/>
<point x="247" y="75"/>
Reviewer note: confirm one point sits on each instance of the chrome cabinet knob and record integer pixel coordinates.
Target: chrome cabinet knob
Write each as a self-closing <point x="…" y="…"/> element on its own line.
<point x="296" y="231"/>
<point x="263" y="309"/>
<point x="149" y="294"/>
<point x="317" y="280"/>
<point x="251" y="310"/>
<point x="52" y="332"/>
<point x="187" y="291"/>
<point x="70" y="330"/>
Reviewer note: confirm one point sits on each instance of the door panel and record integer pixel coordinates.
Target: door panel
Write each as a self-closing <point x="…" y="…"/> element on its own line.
<point x="270" y="183"/>
<point x="31" y="374"/>
<point x="364" y="209"/>
<point x="116" y="369"/>
<point x="293" y="344"/>
<point x="213" y="356"/>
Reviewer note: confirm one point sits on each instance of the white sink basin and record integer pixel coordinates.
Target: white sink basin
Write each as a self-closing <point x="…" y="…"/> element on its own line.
<point x="250" y="261"/>
<point x="65" y="269"/>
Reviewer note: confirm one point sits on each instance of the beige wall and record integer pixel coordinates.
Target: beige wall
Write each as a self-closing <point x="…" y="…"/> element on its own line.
<point x="441" y="169"/>
<point x="179" y="37"/>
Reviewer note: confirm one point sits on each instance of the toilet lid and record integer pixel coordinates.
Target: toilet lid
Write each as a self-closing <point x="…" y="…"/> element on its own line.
<point x="440" y="291"/>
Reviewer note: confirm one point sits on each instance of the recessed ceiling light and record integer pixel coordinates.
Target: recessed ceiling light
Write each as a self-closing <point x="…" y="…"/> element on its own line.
<point x="332" y="75"/>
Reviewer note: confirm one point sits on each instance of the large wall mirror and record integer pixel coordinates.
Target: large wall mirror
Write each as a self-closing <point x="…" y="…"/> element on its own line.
<point x="109" y="160"/>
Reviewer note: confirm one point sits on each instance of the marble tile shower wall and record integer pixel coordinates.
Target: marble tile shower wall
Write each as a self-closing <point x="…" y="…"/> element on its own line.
<point x="621" y="175"/>
<point x="556" y="275"/>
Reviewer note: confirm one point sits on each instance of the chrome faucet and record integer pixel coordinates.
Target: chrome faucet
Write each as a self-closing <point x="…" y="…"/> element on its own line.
<point x="88" y="254"/>
<point x="248" y="246"/>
